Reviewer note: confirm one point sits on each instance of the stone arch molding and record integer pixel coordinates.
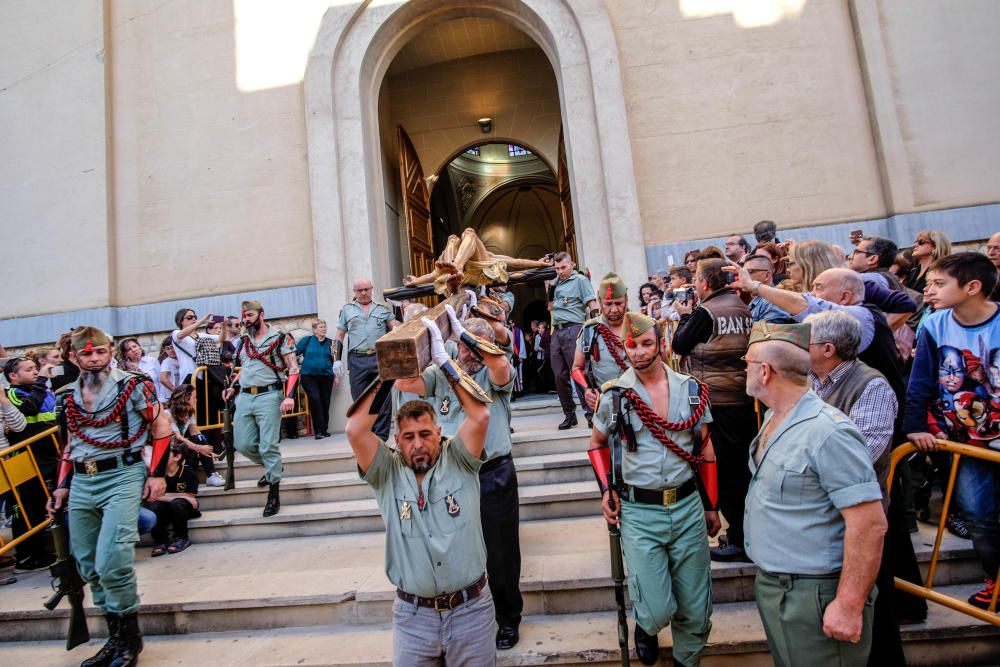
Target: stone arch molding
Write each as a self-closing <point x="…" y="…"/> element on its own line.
<point x="354" y="47"/>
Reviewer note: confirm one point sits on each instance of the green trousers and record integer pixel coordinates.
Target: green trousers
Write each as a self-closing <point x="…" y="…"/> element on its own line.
<point x="670" y="572"/>
<point x="103" y="530"/>
<point x="255" y="431"/>
<point x="791" y="608"/>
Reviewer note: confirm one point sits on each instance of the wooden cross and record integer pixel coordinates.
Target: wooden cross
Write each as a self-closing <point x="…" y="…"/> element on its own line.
<point x="405" y="351"/>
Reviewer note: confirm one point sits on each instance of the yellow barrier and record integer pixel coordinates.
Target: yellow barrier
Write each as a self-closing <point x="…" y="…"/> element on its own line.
<point x="18" y="466"/>
<point x="200" y="380"/>
<point x="927" y="591"/>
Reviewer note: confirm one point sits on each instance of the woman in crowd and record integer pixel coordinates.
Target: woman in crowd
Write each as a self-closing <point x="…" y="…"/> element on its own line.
<point x="70" y="372"/>
<point x="778" y="254"/>
<point x="177" y="506"/>
<point x="181" y="410"/>
<point x="691" y="259"/>
<point x="647" y="294"/>
<point x="186" y="337"/>
<point x="929" y="247"/>
<point x="132" y="358"/>
<point x="318" y="378"/>
<point x="808" y="259"/>
<point x="170" y="371"/>
<point x="49" y="362"/>
<point x="903" y="264"/>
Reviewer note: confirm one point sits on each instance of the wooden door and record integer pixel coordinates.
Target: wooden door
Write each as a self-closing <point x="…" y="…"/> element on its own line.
<point x="416" y="210"/>
<point x="565" y="200"/>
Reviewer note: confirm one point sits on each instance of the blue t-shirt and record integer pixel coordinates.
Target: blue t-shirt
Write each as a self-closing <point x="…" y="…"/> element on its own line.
<point x="316" y="356"/>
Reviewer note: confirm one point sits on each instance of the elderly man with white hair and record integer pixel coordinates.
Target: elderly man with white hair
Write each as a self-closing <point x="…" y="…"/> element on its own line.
<point x="841" y="289"/>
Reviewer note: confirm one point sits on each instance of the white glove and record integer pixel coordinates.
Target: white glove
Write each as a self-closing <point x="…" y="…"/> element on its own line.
<point x="456" y="327"/>
<point x="338" y="368"/>
<point x="473" y="302"/>
<point x="438" y="353"/>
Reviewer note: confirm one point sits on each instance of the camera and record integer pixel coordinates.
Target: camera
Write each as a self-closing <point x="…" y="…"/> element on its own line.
<point x="684" y="294"/>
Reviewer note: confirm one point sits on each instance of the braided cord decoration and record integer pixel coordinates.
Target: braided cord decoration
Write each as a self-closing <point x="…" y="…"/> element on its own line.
<point x="658" y="426"/>
<point x="614" y="345"/>
<point x="265" y="356"/>
<point x="77" y="418"/>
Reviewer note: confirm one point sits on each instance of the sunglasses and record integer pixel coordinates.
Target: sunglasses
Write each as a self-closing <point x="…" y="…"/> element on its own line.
<point x="190" y="317"/>
<point x="924" y="242"/>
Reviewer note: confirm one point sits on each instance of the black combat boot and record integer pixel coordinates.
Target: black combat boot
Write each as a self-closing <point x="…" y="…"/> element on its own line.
<point x="107" y="653"/>
<point x="273" y="503"/>
<point x="129" y="641"/>
<point x="646" y="646"/>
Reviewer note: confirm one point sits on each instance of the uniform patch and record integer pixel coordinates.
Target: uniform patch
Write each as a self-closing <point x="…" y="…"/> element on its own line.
<point x="453" y="508"/>
<point x="404" y="512"/>
<point x="445" y="405"/>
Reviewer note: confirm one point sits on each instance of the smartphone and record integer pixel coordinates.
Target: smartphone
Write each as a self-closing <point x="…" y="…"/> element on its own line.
<point x="856" y="236"/>
<point x="218" y="318"/>
<point x="730" y="277"/>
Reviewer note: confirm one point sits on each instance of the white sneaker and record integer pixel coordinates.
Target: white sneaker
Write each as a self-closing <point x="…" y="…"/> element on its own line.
<point x="215" y="479"/>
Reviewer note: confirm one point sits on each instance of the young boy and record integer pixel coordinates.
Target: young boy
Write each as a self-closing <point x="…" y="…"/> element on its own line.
<point x="942" y="403"/>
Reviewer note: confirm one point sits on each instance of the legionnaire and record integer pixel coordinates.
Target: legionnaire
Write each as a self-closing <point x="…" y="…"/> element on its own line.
<point x="812" y="480"/>
<point x="600" y="353"/>
<point x="266" y="384"/>
<point x="650" y="431"/>
<point x="427" y="491"/>
<point x="481" y="354"/>
<point x="109" y="415"/>
<point x="363" y="321"/>
<point x="713" y="337"/>
<point x="572" y="301"/>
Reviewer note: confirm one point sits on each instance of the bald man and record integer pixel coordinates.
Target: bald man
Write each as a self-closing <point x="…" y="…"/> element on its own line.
<point x="993" y="252"/>
<point x="363" y="321"/>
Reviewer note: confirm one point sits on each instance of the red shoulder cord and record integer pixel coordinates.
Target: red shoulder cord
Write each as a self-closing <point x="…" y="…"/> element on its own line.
<point x="265" y="356"/>
<point x="658" y="426"/>
<point x="77" y="418"/>
<point x="614" y="345"/>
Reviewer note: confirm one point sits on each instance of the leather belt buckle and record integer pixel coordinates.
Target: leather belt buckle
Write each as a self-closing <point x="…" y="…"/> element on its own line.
<point x="670" y="496"/>
<point x="90" y="467"/>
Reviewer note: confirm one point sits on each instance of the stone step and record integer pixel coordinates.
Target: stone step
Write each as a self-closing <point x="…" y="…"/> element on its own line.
<point x="536" y="404"/>
<point x="337" y="486"/>
<point x="534" y="435"/>
<point x="340" y="580"/>
<point x="544" y="501"/>
<point x="947" y="638"/>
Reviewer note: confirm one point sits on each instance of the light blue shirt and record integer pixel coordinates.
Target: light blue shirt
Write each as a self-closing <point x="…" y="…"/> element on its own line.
<point x="135" y="410"/>
<point x="653" y="466"/>
<point x="762" y="309"/>
<point x="815" y="464"/>
<point x="605" y="367"/>
<point x="860" y="313"/>
<point x="363" y="330"/>
<point x="569" y="304"/>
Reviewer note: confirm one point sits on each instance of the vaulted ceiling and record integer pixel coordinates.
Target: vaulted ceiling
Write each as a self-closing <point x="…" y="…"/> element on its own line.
<point x="460" y="38"/>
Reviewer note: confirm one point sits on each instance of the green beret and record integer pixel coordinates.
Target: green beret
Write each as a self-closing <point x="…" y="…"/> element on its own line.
<point x="796" y="334"/>
<point x="636" y="324"/>
<point x="251" y="305"/>
<point x="612" y="287"/>
<point x="85" y="337"/>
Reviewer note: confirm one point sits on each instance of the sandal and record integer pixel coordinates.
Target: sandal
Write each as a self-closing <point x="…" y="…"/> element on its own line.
<point x="158" y="550"/>
<point x="179" y="545"/>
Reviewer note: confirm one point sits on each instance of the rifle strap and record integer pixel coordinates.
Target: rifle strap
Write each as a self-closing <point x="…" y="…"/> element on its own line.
<point x="618" y="433"/>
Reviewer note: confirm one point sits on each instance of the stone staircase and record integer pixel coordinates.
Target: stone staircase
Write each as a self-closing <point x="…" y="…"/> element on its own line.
<point x="307" y="587"/>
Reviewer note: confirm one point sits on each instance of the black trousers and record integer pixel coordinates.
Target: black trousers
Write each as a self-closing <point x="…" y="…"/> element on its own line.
<point x="563" y="349"/>
<point x="173" y="514"/>
<point x="363" y="368"/>
<point x="318" y="390"/>
<point x="732" y="429"/>
<point x="498" y="509"/>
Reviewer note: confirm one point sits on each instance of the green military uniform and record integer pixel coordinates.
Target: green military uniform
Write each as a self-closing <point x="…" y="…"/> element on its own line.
<point x="258" y="406"/>
<point x="570" y="299"/>
<point x="362" y="367"/>
<point x="104" y="504"/>
<point x="600" y="361"/>
<point x="665" y="545"/>
<point x="450" y="415"/>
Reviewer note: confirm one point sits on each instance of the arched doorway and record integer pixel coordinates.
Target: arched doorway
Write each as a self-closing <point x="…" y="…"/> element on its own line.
<point x="355" y="231"/>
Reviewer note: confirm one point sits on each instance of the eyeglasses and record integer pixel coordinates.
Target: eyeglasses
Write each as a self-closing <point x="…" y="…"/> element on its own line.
<point x="923" y="242"/>
<point x="753" y="271"/>
<point x="863" y="252"/>
<point x="751" y="361"/>
<point x="189" y="317"/>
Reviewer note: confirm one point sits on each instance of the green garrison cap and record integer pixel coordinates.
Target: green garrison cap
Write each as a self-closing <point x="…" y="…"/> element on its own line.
<point x="612" y="287"/>
<point x="636" y="324"/>
<point x="796" y="334"/>
<point x="85" y="338"/>
<point x="251" y="305"/>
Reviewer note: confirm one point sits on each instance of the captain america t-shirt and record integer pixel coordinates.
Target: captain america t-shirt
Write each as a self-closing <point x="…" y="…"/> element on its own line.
<point x="954" y="388"/>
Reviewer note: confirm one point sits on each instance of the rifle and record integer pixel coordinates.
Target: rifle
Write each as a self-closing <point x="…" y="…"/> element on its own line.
<point x="614" y="533"/>
<point x="66" y="582"/>
<point x="227" y="441"/>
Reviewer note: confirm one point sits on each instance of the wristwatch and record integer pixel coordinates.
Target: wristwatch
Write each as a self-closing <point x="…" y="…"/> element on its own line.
<point x="754" y="287"/>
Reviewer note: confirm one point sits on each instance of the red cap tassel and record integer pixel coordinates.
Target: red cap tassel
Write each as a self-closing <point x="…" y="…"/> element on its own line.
<point x="607" y="297"/>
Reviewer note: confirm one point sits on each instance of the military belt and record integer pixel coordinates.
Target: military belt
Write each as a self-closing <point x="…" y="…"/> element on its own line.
<point x="362" y="353"/>
<point x="565" y="325"/>
<point x="662" y="496"/>
<point x="94" y="466"/>
<point x="262" y="390"/>
<point x="448" y="600"/>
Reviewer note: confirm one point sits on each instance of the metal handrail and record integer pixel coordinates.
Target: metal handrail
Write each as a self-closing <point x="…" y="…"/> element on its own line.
<point x="5" y="456"/>
<point x="957" y="451"/>
<point x="199" y="379"/>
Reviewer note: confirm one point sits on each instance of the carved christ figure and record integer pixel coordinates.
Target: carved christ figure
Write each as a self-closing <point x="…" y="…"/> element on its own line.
<point x="466" y="261"/>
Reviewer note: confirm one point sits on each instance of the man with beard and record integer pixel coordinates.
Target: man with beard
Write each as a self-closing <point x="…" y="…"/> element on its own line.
<point x="600" y="354"/>
<point x="427" y="490"/>
<point x="263" y="354"/>
<point x="488" y="365"/>
<point x="109" y="415"/>
<point x="661" y="417"/>
<point x="813" y="482"/>
<point x="363" y="322"/>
